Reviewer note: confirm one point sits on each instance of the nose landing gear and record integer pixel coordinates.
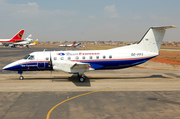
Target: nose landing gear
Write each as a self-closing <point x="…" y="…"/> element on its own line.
<point x="21" y="77"/>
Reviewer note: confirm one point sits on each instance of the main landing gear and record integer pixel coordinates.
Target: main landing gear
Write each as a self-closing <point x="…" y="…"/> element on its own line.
<point x="21" y="77"/>
<point x="81" y="77"/>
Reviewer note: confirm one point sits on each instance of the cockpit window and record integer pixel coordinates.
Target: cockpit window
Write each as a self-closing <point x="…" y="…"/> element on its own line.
<point x="26" y="57"/>
<point x="31" y="57"/>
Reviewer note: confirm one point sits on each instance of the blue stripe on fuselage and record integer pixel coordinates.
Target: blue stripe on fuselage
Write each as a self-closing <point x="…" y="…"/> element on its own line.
<point x="31" y="66"/>
<point x="114" y="64"/>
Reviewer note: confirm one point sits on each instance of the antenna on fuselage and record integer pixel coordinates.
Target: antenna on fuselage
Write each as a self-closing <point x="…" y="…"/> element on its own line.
<point x="44" y="50"/>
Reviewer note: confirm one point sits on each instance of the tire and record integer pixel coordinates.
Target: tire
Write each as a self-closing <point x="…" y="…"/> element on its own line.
<point x="21" y="77"/>
<point x="81" y="79"/>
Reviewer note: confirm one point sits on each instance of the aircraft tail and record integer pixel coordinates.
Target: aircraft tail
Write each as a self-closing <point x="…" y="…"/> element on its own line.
<point x="153" y="38"/>
<point x="18" y="36"/>
<point x="35" y="42"/>
<point x="151" y="41"/>
<point x="78" y="44"/>
<point x="73" y="44"/>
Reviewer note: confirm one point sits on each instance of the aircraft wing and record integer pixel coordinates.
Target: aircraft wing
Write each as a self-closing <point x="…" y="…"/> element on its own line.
<point x="70" y="67"/>
<point x="79" y="65"/>
<point x="21" y="43"/>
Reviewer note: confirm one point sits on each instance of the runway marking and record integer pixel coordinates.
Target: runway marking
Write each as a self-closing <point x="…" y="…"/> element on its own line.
<point x="48" y="114"/>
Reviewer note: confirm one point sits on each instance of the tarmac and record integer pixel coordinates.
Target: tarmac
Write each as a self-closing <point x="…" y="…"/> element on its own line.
<point x="150" y="90"/>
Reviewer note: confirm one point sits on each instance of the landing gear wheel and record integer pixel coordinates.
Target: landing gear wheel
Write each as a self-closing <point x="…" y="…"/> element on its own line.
<point x="21" y="77"/>
<point x="81" y="79"/>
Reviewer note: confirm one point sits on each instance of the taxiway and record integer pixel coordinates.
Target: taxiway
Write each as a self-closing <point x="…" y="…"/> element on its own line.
<point x="124" y="93"/>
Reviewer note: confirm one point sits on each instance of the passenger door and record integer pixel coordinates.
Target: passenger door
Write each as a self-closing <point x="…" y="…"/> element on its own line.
<point x="41" y="60"/>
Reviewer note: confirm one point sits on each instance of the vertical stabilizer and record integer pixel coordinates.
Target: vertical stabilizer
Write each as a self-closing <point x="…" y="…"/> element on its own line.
<point x="18" y="36"/>
<point x="73" y="44"/>
<point x="150" y="42"/>
<point x="153" y="38"/>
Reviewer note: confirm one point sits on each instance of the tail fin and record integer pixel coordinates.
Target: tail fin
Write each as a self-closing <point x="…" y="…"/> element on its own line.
<point x="30" y="35"/>
<point x="18" y="36"/>
<point x="78" y="44"/>
<point x="35" y="42"/>
<point x="151" y="41"/>
<point x="73" y="44"/>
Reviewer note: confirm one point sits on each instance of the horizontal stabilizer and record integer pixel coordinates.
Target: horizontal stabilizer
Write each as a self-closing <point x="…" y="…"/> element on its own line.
<point x="163" y="27"/>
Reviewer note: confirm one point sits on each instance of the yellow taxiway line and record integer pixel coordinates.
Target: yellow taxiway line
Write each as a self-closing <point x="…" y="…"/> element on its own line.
<point x="48" y="114"/>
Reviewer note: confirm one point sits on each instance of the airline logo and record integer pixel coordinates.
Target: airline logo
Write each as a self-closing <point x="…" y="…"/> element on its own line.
<point x="61" y="54"/>
<point x="19" y="35"/>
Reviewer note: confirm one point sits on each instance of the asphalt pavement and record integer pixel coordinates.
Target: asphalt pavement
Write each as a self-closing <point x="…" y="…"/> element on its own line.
<point x="132" y="93"/>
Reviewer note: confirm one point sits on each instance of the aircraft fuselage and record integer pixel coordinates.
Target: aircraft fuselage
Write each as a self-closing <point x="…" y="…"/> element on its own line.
<point x="96" y="58"/>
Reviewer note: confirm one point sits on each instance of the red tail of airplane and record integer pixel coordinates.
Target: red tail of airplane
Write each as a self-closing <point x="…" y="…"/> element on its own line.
<point x="18" y="36"/>
<point x="73" y="44"/>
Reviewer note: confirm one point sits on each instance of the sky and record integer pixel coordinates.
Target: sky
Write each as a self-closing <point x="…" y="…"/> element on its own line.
<point x="88" y="20"/>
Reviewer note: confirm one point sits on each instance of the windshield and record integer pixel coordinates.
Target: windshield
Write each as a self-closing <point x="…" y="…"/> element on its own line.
<point x="26" y="57"/>
<point x="31" y="57"/>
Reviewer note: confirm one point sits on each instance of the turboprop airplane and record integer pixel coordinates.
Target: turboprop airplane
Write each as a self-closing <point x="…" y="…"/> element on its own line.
<point x="16" y="38"/>
<point x="78" y="62"/>
<point x="70" y="45"/>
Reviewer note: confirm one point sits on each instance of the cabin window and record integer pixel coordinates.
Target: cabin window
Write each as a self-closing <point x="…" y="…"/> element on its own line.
<point x="69" y="58"/>
<point x="62" y="58"/>
<point x="97" y="57"/>
<point x="90" y="57"/>
<point x="77" y="57"/>
<point x="26" y="56"/>
<point x="104" y="57"/>
<point x="110" y="56"/>
<point x="31" y="57"/>
<point x="47" y="58"/>
<point x="55" y="58"/>
<point x="83" y="57"/>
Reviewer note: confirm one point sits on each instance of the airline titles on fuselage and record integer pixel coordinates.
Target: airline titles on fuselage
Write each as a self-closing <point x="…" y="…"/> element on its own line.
<point x="76" y="53"/>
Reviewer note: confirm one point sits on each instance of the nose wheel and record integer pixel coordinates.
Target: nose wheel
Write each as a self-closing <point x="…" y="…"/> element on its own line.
<point x="21" y="77"/>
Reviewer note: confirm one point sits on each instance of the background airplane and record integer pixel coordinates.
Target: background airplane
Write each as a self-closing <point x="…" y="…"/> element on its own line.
<point x="14" y="39"/>
<point x="78" y="62"/>
<point x="25" y="43"/>
<point x="34" y="43"/>
<point x="78" y="44"/>
<point x="70" y="45"/>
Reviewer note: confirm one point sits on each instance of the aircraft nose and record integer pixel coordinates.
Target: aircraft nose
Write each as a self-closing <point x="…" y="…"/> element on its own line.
<point x="11" y="66"/>
<point x="7" y="67"/>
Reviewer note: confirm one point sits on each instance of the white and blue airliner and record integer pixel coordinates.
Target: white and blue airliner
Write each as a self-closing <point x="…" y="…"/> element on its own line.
<point x="78" y="62"/>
